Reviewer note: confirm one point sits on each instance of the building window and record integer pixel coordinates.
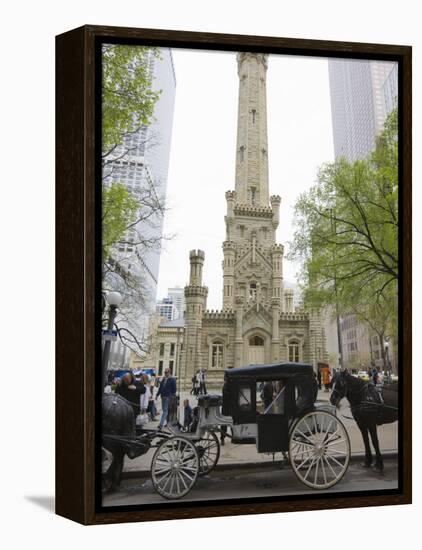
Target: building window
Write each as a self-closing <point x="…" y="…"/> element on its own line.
<point x="253" y="195"/>
<point x="252" y="290"/>
<point x="161" y="349"/>
<point x="245" y="398"/>
<point x="217" y="355"/>
<point x="171" y="363"/>
<point x="294" y="351"/>
<point x="172" y="346"/>
<point x="160" y="368"/>
<point x="242" y="153"/>
<point x="253" y="116"/>
<point x="256" y="341"/>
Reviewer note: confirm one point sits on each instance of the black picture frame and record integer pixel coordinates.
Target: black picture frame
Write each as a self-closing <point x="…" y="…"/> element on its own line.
<point x="78" y="260"/>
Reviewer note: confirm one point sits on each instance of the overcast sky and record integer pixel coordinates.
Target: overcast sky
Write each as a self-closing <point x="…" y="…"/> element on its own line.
<point x="202" y="160"/>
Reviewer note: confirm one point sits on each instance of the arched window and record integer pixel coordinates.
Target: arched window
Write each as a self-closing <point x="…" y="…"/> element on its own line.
<point x="217" y="355"/>
<point x="252" y="290"/>
<point x="256" y="341"/>
<point x="294" y="351"/>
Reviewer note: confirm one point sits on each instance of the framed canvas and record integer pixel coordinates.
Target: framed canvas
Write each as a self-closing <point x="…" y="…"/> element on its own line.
<point x="233" y="274"/>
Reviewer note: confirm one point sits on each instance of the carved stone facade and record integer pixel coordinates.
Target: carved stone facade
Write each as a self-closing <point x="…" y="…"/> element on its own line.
<point x="257" y="323"/>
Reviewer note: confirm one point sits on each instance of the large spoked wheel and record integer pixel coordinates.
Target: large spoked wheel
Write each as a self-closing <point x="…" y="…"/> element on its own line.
<point x="175" y="467"/>
<point x="319" y="449"/>
<point x="208" y="448"/>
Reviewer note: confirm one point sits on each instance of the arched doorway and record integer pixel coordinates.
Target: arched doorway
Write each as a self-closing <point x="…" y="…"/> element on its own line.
<point x="256" y="350"/>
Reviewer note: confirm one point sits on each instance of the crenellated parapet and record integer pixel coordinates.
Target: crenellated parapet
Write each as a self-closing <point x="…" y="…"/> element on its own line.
<point x="277" y="249"/>
<point x="229" y="246"/>
<point x="230" y="196"/>
<point x="244" y="209"/>
<point x="211" y="315"/>
<point x="192" y="291"/>
<point x="197" y="254"/>
<point x="287" y="316"/>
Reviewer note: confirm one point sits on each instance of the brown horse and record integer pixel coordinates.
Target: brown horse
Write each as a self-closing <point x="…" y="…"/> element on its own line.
<point x="370" y="408"/>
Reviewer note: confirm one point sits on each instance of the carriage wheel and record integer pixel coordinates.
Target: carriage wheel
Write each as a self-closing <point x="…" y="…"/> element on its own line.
<point x="208" y="448"/>
<point x="175" y="467"/>
<point x="319" y="449"/>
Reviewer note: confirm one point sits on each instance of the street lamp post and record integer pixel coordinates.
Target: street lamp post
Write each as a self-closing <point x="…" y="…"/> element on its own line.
<point x="114" y="299"/>
<point x="387" y="346"/>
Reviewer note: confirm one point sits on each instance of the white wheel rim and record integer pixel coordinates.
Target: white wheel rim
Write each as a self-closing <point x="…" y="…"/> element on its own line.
<point x="319" y="450"/>
<point x="175" y="467"/>
<point x="209" y="453"/>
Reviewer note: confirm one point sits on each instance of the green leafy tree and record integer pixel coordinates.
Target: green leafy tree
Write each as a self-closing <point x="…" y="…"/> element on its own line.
<point x="127" y="97"/>
<point x="119" y="209"/>
<point x="347" y="235"/>
<point x="128" y="218"/>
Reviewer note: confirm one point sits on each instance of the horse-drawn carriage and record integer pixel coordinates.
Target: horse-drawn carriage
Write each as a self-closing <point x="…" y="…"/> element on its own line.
<point x="291" y="422"/>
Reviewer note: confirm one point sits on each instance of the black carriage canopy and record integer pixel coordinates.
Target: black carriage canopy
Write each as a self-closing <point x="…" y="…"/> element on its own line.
<point x="299" y="376"/>
<point x="274" y="371"/>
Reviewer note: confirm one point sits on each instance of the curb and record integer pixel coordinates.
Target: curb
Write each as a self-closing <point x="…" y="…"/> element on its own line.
<point x="354" y="457"/>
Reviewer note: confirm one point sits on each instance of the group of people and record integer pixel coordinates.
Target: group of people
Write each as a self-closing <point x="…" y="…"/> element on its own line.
<point x="140" y="394"/>
<point x="199" y="383"/>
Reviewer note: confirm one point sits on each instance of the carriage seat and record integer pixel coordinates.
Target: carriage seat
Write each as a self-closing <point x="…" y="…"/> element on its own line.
<point x="210" y="400"/>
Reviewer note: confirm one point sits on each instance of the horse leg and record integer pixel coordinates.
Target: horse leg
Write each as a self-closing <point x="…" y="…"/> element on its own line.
<point x="368" y="454"/>
<point x="223" y="434"/>
<point x="116" y="468"/>
<point x="379" y="463"/>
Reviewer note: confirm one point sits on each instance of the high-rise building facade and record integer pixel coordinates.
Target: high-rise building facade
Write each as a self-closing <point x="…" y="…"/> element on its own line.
<point x="177" y="295"/>
<point x="167" y="309"/>
<point x="363" y="93"/>
<point x="141" y="164"/>
<point x="357" y="104"/>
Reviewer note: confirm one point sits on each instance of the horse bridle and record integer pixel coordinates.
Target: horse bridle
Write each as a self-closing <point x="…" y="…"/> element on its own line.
<point x="336" y="391"/>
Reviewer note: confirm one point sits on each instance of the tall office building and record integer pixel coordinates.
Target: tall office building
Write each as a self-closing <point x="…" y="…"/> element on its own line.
<point x="362" y="93"/>
<point x="167" y="309"/>
<point x="177" y="294"/>
<point x="141" y="164"/>
<point x="358" y="105"/>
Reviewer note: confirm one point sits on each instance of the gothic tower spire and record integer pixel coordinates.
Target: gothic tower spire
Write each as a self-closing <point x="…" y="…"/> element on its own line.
<point x="252" y="147"/>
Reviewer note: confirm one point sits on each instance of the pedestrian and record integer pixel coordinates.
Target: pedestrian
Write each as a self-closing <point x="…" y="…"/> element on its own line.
<point x="194" y="390"/>
<point x="151" y="410"/>
<point x="144" y="401"/>
<point x="131" y="390"/>
<point x="187" y="416"/>
<point x="202" y="382"/>
<point x="325" y="375"/>
<point x="374" y="376"/>
<point x="167" y="390"/>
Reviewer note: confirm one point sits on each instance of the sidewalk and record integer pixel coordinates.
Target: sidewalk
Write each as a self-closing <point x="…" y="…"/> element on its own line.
<point x="231" y="454"/>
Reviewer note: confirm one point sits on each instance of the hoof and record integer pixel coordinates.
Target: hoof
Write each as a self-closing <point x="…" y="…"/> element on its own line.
<point x="378" y="467"/>
<point x="366" y="464"/>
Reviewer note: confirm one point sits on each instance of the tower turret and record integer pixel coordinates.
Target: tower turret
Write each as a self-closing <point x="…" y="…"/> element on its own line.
<point x="252" y="143"/>
<point x="196" y="258"/>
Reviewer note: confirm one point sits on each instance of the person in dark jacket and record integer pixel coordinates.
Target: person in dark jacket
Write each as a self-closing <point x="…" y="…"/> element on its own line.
<point x="187" y="417"/>
<point x="131" y="390"/>
<point x="167" y="390"/>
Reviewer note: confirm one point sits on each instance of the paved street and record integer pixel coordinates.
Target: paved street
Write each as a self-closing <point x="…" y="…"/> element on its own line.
<point x="253" y="482"/>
